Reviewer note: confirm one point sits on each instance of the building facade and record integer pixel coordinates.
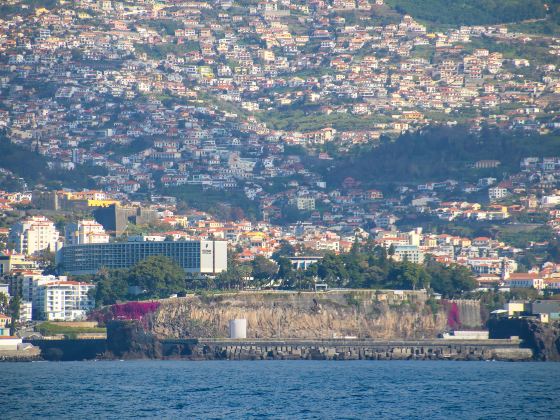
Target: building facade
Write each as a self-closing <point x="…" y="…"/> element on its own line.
<point x="411" y="253"/>
<point x="11" y="262"/>
<point x="115" y="219"/>
<point x="64" y="300"/>
<point x="33" y="235"/>
<point x="497" y="193"/>
<point x="85" y="232"/>
<point x="197" y="257"/>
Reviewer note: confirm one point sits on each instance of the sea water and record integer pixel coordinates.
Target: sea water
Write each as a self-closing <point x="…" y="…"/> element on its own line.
<point x="280" y="389"/>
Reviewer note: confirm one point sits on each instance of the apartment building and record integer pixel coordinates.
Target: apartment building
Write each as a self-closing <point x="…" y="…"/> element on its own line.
<point x="85" y="232"/>
<point x="33" y="235"/>
<point x="63" y="300"/>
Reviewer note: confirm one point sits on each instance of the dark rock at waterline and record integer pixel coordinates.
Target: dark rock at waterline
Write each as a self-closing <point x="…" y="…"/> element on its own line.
<point x="129" y="340"/>
<point x="543" y="339"/>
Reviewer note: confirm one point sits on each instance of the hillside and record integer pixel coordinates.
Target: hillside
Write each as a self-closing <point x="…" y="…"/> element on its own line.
<point x="34" y="168"/>
<point x="441" y="153"/>
<point x="471" y="12"/>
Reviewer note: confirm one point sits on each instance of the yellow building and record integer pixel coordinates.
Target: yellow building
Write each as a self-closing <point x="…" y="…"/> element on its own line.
<point x="514" y="308"/>
<point x="103" y="203"/>
<point x="10" y="262"/>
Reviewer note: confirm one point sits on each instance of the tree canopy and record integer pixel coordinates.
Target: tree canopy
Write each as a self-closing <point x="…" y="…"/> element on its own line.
<point x="471" y="12"/>
<point x="440" y="153"/>
<point x="365" y="266"/>
<point x="156" y="276"/>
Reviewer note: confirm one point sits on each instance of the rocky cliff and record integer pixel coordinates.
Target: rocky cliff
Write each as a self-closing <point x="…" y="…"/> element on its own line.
<point x="306" y="315"/>
<point x="543" y="339"/>
<point x="130" y="340"/>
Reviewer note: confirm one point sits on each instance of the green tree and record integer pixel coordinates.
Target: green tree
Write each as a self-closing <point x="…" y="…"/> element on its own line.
<point x="286" y="250"/>
<point x="451" y="281"/>
<point x="158" y="275"/>
<point x="263" y="269"/>
<point x="285" y="267"/>
<point x="4" y="303"/>
<point x="111" y="286"/>
<point x="14" y="312"/>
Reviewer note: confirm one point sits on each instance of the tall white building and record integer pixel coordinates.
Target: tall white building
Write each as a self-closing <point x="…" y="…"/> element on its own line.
<point x="63" y="300"/>
<point x="85" y="232"/>
<point x="497" y="193"/>
<point x="34" y="235"/>
<point x="29" y="283"/>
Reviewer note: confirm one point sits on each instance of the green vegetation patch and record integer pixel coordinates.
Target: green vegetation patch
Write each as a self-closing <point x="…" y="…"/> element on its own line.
<point x="26" y="7"/>
<point x="440" y="153"/>
<point x="471" y="12"/>
<point x="536" y="51"/>
<point x="300" y="120"/>
<point x="48" y="328"/>
<point x="232" y="204"/>
<point x="34" y="169"/>
<point x="547" y="27"/>
<point x="521" y="238"/>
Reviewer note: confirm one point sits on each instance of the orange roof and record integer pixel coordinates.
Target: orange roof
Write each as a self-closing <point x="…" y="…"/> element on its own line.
<point x="523" y="276"/>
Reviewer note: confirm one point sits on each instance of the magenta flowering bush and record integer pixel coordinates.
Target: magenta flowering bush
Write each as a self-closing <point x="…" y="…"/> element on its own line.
<point x="453" y="316"/>
<point x="133" y="310"/>
<point x="128" y="311"/>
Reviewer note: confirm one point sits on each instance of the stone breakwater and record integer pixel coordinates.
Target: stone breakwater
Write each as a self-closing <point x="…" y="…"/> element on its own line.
<point x="208" y="349"/>
<point x="28" y="355"/>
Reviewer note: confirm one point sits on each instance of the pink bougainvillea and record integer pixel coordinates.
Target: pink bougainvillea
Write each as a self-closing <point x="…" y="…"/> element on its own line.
<point x="124" y="311"/>
<point x="133" y="310"/>
<point x="453" y="317"/>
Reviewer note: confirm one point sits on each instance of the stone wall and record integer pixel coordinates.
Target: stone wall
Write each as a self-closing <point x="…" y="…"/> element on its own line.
<point x="469" y="313"/>
<point x="28" y="355"/>
<point x="361" y="350"/>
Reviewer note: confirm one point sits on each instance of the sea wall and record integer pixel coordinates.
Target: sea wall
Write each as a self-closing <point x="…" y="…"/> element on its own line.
<point x="129" y="340"/>
<point x="66" y="350"/>
<point x="304" y="315"/>
<point x="508" y="350"/>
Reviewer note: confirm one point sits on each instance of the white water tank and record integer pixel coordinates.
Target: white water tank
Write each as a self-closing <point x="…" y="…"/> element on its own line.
<point x="238" y="328"/>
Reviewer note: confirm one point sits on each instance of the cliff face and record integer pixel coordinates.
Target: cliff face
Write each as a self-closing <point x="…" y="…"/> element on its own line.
<point x="543" y="339"/>
<point x="301" y="315"/>
<point x="129" y="340"/>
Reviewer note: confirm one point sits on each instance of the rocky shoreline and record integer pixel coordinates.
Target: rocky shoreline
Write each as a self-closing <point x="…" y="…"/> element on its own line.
<point x="542" y="338"/>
